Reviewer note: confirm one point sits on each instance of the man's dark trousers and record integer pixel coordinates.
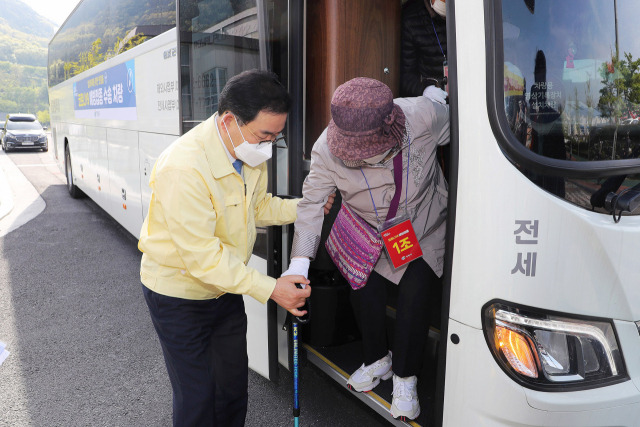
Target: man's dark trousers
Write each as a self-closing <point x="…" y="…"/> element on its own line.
<point x="205" y="349"/>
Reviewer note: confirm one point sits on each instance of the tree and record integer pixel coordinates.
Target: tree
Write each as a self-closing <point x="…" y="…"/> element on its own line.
<point x="610" y="103"/>
<point x="43" y="117"/>
<point x="7" y="105"/>
<point x="619" y="98"/>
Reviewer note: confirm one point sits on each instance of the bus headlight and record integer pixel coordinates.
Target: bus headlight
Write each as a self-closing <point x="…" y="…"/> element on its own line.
<point x="552" y="351"/>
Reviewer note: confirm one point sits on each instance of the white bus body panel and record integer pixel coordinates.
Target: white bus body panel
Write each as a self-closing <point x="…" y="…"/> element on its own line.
<point x="124" y="198"/>
<point x="584" y="266"/>
<point x="151" y="145"/>
<point x="257" y="326"/>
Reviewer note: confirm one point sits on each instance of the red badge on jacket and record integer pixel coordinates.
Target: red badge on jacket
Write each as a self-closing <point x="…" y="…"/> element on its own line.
<point x="401" y="243"/>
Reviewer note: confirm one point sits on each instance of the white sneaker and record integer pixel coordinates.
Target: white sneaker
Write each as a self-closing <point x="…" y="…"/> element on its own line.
<point x="367" y="377"/>
<point x="405" y="405"/>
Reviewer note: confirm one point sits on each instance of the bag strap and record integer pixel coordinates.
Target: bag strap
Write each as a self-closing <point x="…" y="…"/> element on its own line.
<point x="397" y="178"/>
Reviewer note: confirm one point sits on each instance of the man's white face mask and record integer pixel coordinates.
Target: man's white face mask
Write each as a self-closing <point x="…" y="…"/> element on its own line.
<point x="439" y="7"/>
<point x="251" y="154"/>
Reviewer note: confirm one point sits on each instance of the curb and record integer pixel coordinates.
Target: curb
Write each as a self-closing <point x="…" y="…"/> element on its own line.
<point x="20" y="202"/>
<point x="6" y="194"/>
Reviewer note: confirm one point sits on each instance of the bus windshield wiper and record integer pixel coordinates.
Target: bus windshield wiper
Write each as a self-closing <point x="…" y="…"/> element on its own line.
<point x="626" y="201"/>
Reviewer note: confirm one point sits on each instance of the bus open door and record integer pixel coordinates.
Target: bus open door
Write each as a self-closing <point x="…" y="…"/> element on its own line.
<point x="540" y="294"/>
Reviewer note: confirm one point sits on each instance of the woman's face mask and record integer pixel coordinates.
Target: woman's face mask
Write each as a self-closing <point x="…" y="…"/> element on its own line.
<point x="377" y="159"/>
<point x="251" y="154"/>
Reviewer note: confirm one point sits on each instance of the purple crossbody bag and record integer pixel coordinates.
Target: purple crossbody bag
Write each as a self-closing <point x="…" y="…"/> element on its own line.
<point x="353" y="244"/>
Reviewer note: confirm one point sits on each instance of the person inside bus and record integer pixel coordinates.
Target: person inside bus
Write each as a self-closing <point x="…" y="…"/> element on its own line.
<point x="209" y="194"/>
<point x="356" y="154"/>
<point x="423" y="46"/>
<point x="545" y="113"/>
<point x="423" y="57"/>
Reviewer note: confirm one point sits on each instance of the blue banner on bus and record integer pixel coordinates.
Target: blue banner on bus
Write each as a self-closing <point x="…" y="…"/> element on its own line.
<point x="110" y="94"/>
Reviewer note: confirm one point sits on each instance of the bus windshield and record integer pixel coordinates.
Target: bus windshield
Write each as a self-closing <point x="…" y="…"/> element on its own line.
<point x="572" y="87"/>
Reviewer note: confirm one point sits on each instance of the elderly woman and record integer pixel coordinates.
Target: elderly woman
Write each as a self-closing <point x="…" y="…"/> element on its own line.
<point x="381" y="154"/>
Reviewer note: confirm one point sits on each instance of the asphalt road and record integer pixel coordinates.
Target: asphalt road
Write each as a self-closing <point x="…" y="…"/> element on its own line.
<point x="83" y="350"/>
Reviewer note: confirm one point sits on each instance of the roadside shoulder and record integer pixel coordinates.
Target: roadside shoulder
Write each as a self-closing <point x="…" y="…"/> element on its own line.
<point x="16" y="211"/>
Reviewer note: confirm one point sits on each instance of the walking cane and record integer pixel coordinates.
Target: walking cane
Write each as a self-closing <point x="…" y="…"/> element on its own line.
<point x="296" y="401"/>
<point x="295" y="321"/>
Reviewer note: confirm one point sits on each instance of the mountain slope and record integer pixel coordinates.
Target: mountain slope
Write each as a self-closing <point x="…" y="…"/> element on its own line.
<point x="21" y="17"/>
<point x="22" y="48"/>
<point x="24" y="37"/>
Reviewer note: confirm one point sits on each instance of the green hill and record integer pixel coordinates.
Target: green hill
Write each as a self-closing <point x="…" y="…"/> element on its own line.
<point x="24" y="36"/>
<point x="23" y="89"/>
<point x="21" y="17"/>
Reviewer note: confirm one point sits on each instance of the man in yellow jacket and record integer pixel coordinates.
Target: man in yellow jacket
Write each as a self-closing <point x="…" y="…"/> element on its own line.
<point x="209" y="194"/>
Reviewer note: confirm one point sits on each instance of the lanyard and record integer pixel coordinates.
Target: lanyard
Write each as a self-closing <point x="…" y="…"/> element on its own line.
<point x="397" y="177"/>
<point x="437" y="38"/>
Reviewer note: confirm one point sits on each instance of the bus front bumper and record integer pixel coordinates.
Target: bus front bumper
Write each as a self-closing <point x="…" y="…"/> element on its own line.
<point x="479" y="392"/>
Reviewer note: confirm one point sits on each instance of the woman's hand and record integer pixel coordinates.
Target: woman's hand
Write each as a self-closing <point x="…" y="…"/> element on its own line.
<point x="329" y="204"/>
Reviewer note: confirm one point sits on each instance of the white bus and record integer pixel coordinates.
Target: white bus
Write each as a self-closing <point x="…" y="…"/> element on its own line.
<point x="538" y="323"/>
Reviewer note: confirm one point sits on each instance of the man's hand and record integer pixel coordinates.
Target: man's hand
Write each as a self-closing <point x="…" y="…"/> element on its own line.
<point x="288" y="296"/>
<point x="327" y="206"/>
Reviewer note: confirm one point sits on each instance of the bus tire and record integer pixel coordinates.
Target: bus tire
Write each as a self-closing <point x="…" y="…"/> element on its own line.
<point x="74" y="191"/>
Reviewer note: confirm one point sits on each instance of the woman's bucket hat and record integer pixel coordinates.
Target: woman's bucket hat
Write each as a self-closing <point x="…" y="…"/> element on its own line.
<point x="365" y="121"/>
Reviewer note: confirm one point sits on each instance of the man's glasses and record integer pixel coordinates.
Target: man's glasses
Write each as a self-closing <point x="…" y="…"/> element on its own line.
<point x="275" y="139"/>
